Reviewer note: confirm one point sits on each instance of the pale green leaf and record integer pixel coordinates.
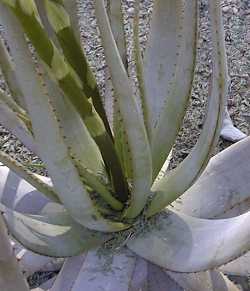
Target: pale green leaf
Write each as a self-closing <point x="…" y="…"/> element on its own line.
<point x="16" y="126"/>
<point x="51" y="146"/>
<point x="139" y="152"/>
<point x="115" y="14"/>
<point x="180" y="179"/>
<point x="172" y="75"/>
<point x="160" y="59"/>
<point x="183" y="243"/>
<point x="53" y="234"/>
<point x="11" y="278"/>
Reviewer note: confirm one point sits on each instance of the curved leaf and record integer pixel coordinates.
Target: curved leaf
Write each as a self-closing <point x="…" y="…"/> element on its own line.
<point x="30" y="262"/>
<point x="30" y="177"/>
<point x="52" y="234"/>
<point x="224" y="184"/>
<point x="191" y="244"/>
<point x="19" y="195"/>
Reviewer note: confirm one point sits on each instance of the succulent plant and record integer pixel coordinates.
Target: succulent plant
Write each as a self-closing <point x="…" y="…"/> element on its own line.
<point x="105" y="202"/>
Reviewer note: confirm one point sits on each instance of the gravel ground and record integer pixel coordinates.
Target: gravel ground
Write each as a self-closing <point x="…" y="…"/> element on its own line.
<point x="237" y="25"/>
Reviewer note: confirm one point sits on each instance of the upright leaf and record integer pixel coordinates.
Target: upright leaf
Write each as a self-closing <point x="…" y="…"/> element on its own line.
<point x="71" y="85"/>
<point x="138" y="154"/>
<point x="169" y="58"/>
<point x="51" y="146"/>
<point x="171" y="187"/>
<point x="115" y="14"/>
<point x="160" y="59"/>
<point x="60" y="21"/>
<point x="8" y="69"/>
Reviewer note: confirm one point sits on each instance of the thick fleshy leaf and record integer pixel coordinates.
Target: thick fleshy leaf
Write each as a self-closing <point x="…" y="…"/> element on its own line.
<point x="51" y="146"/>
<point x="139" y="279"/>
<point x="114" y="10"/>
<point x="98" y="271"/>
<point x="193" y="281"/>
<point x="70" y="83"/>
<point x="8" y="70"/>
<point x="159" y="280"/>
<point x="222" y="283"/>
<point x="30" y="262"/>
<point x="18" y="194"/>
<point x="139" y="66"/>
<point x="224" y="185"/>
<point x="11" y="121"/>
<point x="77" y="137"/>
<point x="205" y="281"/>
<point x="69" y="273"/>
<point x="238" y="267"/>
<point x="180" y="179"/>
<point x="61" y="23"/>
<point x="139" y="152"/>
<point x="169" y="57"/>
<point x="30" y="177"/>
<point x="97" y="184"/>
<point x="45" y="21"/>
<point x="115" y="14"/>
<point x="164" y="168"/>
<point x="11" y="103"/>
<point x="174" y="96"/>
<point x="160" y="58"/>
<point x="53" y="234"/>
<point x="191" y="244"/>
<point x="73" y="10"/>
<point x="11" y="278"/>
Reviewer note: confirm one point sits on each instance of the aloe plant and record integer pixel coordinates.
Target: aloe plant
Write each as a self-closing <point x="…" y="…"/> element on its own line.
<point x="106" y="203"/>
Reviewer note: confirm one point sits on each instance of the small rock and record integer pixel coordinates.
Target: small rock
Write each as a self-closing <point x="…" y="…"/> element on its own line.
<point x="235" y="10"/>
<point x="131" y="12"/>
<point x="225" y="9"/>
